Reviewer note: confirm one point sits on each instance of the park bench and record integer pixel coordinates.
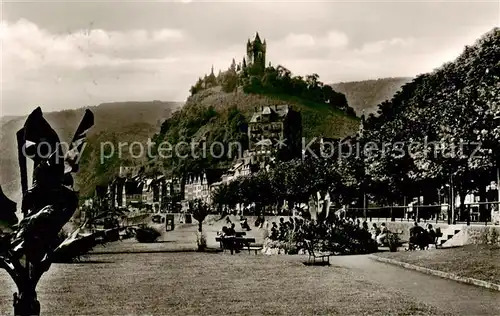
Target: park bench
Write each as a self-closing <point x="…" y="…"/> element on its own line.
<point x="229" y="242"/>
<point x="236" y="234"/>
<point x="325" y="257"/>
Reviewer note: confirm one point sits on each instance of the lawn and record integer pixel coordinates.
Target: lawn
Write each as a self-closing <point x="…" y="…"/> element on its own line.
<point x="475" y="261"/>
<point x="210" y="284"/>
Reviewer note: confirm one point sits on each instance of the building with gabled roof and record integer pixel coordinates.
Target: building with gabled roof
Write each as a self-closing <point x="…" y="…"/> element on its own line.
<point x="275" y="128"/>
<point x="197" y="186"/>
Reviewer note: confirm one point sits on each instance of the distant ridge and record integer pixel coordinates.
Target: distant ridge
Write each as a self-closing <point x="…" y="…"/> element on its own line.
<point x="130" y="121"/>
<point x="368" y="94"/>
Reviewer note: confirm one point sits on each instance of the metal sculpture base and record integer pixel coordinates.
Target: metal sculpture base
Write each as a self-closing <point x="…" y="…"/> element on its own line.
<point x="26" y="304"/>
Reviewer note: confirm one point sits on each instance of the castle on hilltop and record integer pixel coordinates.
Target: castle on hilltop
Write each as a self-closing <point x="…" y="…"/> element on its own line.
<point x="256" y="54"/>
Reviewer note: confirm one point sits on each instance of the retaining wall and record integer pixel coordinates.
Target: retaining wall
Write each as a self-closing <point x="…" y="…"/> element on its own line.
<point x="482" y="235"/>
<point x="474" y="234"/>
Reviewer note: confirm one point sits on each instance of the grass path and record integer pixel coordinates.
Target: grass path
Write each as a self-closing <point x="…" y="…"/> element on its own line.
<point x="211" y="284"/>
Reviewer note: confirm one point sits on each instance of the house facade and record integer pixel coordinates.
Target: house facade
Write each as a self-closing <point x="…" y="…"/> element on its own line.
<point x="271" y="128"/>
<point x="198" y="186"/>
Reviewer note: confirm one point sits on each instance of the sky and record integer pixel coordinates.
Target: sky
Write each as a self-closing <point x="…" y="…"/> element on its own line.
<point x="69" y="54"/>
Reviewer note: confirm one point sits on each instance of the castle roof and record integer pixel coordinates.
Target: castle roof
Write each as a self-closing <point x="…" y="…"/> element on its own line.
<point x="278" y="111"/>
<point x="257" y="37"/>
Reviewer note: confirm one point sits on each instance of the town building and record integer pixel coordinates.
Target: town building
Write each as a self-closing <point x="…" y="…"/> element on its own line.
<point x="198" y="186"/>
<point x="276" y="128"/>
<point x="170" y="193"/>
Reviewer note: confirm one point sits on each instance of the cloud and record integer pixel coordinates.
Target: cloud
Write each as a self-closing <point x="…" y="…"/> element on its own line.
<point x="383" y="45"/>
<point x="159" y="54"/>
<point x="90" y="66"/>
<point x="333" y="39"/>
<point x="336" y="39"/>
<point x="300" y="40"/>
<point x="26" y="45"/>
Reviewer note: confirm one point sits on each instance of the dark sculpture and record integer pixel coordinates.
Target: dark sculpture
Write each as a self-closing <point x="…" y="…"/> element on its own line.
<point x="28" y="248"/>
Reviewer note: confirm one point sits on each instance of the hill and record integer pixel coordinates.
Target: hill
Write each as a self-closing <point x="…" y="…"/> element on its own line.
<point x="127" y="121"/>
<point x="214" y="115"/>
<point x="368" y="94"/>
<point x="318" y="119"/>
<point x="220" y="107"/>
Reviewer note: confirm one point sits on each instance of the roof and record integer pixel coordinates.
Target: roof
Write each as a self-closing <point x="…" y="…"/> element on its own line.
<point x="278" y="111"/>
<point x="236" y="166"/>
<point x="267" y="110"/>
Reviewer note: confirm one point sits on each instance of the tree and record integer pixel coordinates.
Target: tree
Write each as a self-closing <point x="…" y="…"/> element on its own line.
<point x="197" y="87"/>
<point x="230" y="78"/>
<point x="199" y="210"/>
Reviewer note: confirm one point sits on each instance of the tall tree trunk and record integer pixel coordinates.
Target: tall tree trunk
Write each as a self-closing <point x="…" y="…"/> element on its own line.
<point x="482" y="199"/>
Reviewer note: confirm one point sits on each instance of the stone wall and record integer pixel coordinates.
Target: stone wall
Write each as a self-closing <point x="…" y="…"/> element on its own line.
<point x="404" y="227"/>
<point x="482" y="235"/>
<point x="476" y="234"/>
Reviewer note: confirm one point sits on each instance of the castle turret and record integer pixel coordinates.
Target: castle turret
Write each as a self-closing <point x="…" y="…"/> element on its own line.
<point x="256" y="53"/>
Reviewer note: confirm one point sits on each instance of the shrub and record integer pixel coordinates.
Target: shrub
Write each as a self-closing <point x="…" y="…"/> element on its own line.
<point x="393" y="241"/>
<point x="146" y="234"/>
<point x="290" y="244"/>
<point x="493" y="236"/>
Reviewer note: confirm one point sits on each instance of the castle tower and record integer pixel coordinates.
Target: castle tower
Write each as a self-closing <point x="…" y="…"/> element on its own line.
<point x="256" y="52"/>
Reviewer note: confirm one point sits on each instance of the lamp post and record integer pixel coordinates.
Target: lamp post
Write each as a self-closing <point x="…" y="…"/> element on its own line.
<point x="452" y="201"/>
<point x="438" y="210"/>
<point x="448" y="210"/>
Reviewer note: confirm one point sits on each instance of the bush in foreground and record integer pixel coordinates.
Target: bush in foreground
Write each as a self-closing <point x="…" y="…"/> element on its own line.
<point x="146" y="234"/>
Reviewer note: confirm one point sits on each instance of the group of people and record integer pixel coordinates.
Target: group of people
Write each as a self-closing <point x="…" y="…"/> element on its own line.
<point x="379" y="234"/>
<point x="339" y="234"/>
<point x="285" y="228"/>
<point x="229" y="243"/>
<point x="421" y="238"/>
<point x="299" y="229"/>
<point x="228" y="231"/>
<point x="243" y="223"/>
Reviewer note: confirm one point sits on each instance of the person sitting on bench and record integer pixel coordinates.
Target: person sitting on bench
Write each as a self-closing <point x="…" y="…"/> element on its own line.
<point x="223" y="232"/>
<point x="231" y="231"/>
<point x="431" y="235"/>
<point x="416" y="237"/>
<point x="274" y="232"/>
<point x="382" y="235"/>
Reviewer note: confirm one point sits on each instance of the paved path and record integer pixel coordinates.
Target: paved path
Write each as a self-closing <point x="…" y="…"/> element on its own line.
<point x="448" y="295"/>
